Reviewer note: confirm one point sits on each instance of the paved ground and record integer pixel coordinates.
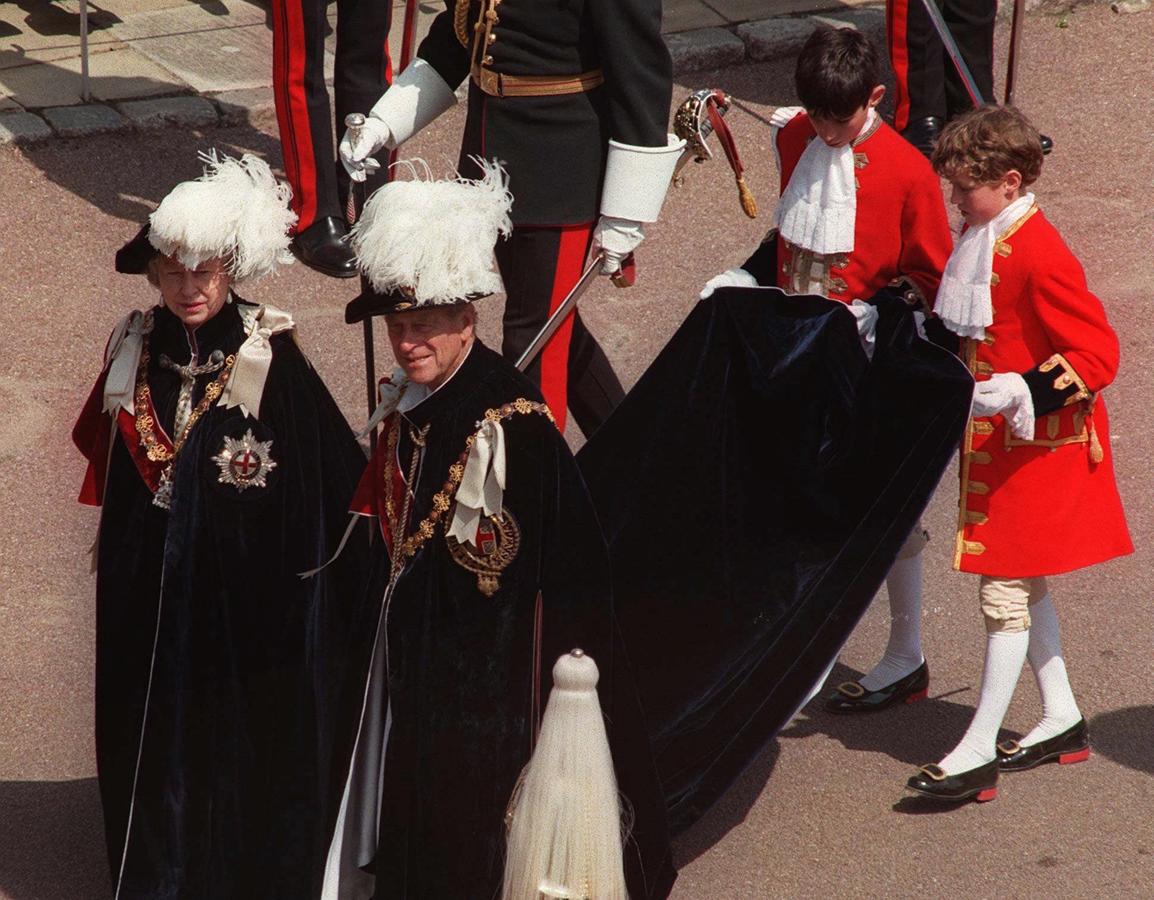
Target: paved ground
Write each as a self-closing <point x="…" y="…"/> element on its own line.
<point x="144" y="48"/>
<point x="821" y="812"/>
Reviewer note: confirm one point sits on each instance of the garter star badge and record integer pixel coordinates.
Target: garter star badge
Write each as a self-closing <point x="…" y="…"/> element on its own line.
<point x="245" y="462"/>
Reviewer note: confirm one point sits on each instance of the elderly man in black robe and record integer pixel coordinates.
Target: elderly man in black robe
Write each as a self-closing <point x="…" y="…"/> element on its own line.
<point x="495" y="567"/>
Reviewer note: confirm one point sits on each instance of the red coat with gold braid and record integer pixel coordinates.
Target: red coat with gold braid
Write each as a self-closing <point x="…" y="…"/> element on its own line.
<point x="1047" y="505"/>
<point x="901" y="228"/>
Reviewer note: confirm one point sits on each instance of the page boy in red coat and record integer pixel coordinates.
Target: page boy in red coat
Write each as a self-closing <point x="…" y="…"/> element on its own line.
<point x="860" y="208"/>
<point x="1038" y="496"/>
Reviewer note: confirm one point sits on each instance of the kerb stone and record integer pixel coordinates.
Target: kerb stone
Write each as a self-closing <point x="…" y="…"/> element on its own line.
<point x="186" y="112"/>
<point x="774" y="38"/>
<point x="706" y="48"/>
<point x="81" y="121"/>
<point x="22" y="128"/>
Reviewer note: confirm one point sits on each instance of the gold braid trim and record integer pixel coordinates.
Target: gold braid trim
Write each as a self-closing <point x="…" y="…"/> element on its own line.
<point x="461" y="22"/>
<point x="443" y="499"/>
<point x="146" y="425"/>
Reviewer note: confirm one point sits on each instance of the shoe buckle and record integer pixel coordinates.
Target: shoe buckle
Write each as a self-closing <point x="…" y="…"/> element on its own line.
<point x="1009" y="748"/>
<point x="851" y="689"/>
<point x="933" y="772"/>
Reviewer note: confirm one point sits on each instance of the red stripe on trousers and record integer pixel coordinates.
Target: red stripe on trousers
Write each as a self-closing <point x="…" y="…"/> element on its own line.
<point x="292" y="111"/>
<point x="555" y="357"/>
<point x="897" y="16"/>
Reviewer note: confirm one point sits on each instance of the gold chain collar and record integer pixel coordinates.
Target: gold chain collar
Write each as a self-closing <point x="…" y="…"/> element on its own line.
<point x="443" y="499"/>
<point x="146" y="425"/>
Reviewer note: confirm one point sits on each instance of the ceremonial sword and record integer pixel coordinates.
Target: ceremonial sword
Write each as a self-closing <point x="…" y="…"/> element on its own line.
<point x="696" y="119"/>
<point x="955" y="54"/>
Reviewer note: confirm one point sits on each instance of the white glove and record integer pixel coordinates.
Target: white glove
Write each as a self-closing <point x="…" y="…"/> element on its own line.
<point x="416" y="98"/>
<point x="867" y="324"/>
<point x="1006" y="393"/>
<point x="357" y="155"/>
<point x="616" y="239"/>
<point x="728" y="278"/>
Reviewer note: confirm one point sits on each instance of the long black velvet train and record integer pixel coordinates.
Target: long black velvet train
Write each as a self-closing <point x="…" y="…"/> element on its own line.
<point x="754" y="488"/>
<point x="221" y="754"/>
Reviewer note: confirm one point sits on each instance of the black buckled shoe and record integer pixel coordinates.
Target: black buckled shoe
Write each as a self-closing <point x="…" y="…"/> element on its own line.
<point x="1071" y="746"/>
<point x="851" y="697"/>
<point x="324" y="246"/>
<point x="980" y="784"/>
<point x="922" y="133"/>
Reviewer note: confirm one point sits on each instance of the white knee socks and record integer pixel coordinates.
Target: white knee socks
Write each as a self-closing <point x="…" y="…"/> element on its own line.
<point x="1005" y="655"/>
<point x="904" y="648"/>
<point x="1059" y="708"/>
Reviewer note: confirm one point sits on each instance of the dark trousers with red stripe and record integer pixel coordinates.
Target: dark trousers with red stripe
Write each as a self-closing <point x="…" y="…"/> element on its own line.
<point x="539" y="266"/>
<point x="928" y="83"/>
<point x="363" y="71"/>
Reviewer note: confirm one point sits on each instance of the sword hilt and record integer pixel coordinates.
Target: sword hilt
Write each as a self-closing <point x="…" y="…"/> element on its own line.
<point x="354" y="122"/>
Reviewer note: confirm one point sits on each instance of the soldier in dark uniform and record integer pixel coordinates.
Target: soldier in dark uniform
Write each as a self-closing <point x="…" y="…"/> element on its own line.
<point x="573" y="99"/>
<point x="363" y="69"/>
<point x="929" y="90"/>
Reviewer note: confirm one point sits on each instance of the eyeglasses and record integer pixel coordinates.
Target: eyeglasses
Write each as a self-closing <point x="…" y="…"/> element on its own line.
<point x="200" y="277"/>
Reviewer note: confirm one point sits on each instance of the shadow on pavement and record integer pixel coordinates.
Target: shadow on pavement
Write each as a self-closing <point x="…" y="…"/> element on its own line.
<point x="126" y="175"/>
<point x="50" y="20"/>
<point x="52" y="841"/>
<point x="730" y="811"/>
<point x="1123" y="736"/>
<point x="916" y="733"/>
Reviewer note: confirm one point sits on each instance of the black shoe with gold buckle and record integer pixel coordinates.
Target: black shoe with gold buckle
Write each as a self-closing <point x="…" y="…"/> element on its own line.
<point x="980" y="784"/>
<point x="851" y="697"/>
<point x="1071" y="746"/>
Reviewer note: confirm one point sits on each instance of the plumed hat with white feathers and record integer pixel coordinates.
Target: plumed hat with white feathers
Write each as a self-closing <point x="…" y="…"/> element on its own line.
<point x="236" y="211"/>
<point x="422" y="242"/>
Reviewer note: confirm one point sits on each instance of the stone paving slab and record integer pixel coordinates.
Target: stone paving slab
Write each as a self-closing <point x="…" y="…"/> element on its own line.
<point x="41" y="85"/>
<point x="16" y="54"/>
<point x="22" y="127"/>
<point x="184" y="112"/>
<point x="224" y="60"/>
<point x="81" y="121"/>
<point x="115" y="75"/>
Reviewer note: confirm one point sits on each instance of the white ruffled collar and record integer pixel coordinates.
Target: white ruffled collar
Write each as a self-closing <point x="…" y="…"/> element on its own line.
<point x="818" y="209"/>
<point x="964" y="303"/>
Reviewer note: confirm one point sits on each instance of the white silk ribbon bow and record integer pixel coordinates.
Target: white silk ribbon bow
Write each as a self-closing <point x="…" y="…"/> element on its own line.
<point x="482" y="488"/>
<point x="388" y="396"/>
<point x="245" y="386"/>
<point x="124" y="348"/>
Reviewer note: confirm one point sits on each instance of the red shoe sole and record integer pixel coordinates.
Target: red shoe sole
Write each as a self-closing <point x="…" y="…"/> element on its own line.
<point x="1076" y="757"/>
<point x="920" y="695"/>
<point x="987" y="795"/>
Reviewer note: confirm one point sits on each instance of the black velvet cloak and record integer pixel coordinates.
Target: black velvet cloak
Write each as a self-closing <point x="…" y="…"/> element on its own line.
<point x="754" y="488"/>
<point x="235" y="681"/>
<point x="469" y="674"/>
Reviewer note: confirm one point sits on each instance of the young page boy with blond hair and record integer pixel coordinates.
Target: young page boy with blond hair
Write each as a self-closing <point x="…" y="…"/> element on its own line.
<point x="860" y="209"/>
<point x="1038" y="496"/>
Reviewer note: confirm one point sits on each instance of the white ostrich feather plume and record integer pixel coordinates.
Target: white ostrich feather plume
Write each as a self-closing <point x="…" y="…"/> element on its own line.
<point x="435" y="238"/>
<point x="237" y="211"/>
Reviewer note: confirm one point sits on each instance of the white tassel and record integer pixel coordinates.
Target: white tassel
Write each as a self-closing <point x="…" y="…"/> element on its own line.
<point x="565" y="833"/>
<point x="435" y="237"/>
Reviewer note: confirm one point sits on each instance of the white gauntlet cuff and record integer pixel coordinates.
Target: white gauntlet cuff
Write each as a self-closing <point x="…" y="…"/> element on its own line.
<point x="637" y="178"/>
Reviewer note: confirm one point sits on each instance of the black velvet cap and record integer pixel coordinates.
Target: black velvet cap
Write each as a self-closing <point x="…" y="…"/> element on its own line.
<point x="133" y="257"/>
<point x="372" y="303"/>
